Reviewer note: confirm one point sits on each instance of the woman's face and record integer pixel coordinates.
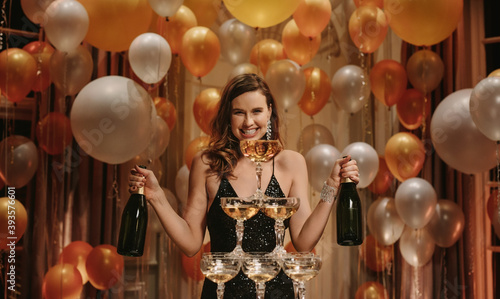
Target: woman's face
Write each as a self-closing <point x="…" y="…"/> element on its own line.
<point x="249" y="116"/>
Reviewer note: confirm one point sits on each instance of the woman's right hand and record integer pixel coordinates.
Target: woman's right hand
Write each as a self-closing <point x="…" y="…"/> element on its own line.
<point x="140" y="177"/>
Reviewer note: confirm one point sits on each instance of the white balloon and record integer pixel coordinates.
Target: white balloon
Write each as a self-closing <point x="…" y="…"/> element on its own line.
<point x="150" y="57"/>
<point x="485" y="107"/>
<point x="112" y="118"/>
<point x="287" y="82"/>
<point x="236" y="41"/>
<point x="67" y="23"/>
<point x="416" y="246"/>
<point x="320" y="160"/>
<point x="165" y="8"/>
<point x="384" y="222"/>
<point x="367" y="159"/>
<point x="416" y="202"/>
<point x="350" y="88"/>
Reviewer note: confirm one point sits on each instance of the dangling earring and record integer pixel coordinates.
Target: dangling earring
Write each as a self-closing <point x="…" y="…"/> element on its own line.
<point x="268" y="131"/>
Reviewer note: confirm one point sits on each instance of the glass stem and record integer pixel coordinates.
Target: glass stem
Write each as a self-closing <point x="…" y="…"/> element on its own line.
<point x="239" y="236"/>
<point x="302" y="291"/>
<point x="258" y="170"/>
<point x="279" y="228"/>
<point x="261" y="290"/>
<point x="220" y="290"/>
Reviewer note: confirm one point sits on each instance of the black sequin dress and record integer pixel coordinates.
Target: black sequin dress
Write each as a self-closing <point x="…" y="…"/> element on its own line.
<point x="258" y="236"/>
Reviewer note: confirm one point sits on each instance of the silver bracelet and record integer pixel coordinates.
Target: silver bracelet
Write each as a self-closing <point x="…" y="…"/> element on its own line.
<point x="328" y="193"/>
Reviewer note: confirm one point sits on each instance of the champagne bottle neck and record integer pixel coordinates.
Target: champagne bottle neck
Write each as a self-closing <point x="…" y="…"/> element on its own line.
<point x="346" y="180"/>
<point x="139" y="190"/>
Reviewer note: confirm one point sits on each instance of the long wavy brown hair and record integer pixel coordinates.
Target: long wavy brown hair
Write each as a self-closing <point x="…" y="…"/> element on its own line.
<point x="223" y="150"/>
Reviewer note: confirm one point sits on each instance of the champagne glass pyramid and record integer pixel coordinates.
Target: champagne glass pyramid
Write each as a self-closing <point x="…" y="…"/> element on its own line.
<point x="301" y="267"/>
<point x="280" y="209"/>
<point x="241" y="209"/>
<point x="259" y="151"/>
<point x="220" y="268"/>
<point x="260" y="267"/>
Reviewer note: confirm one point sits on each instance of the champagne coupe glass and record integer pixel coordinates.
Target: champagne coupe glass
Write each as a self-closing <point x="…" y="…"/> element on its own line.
<point x="259" y="151"/>
<point x="301" y="267"/>
<point x="280" y="209"/>
<point x="260" y="267"/>
<point x="219" y="267"/>
<point x="241" y="209"/>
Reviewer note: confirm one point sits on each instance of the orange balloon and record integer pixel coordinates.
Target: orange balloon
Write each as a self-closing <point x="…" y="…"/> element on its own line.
<point x="113" y="25"/>
<point x="371" y="290"/>
<point x="166" y="110"/>
<point x="368" y="27"/>
<point x="378" y="3"/>
<point x="405" y="155"/>
<point x="194" y="147"/>
<point x="388" y="81"/>
<point x="383" y="179"/>
<point x="173" y="28"/>
<point x="11" y="232"/>
<point x="41" y="52"/>
<point x="104" y="266"/>
<point x="410" y="109"/>
<point x="492" y="206"/>
<point x="266" y="52"/>
<point x="425" y="70"/>
<point x="53" y="133"/>
<point x="376" y="256"/>
<point x="297" y="46"/>
<point x="312" y="16"/>
<point x="205" y="107"/>
<point x="191" y="265"/>
<point x="62" y="281"/>
<point x="200" y="50"/>
<point x="75" y="253"/>
<point x="17" y="73"/>
<point x="206" y="11"/>
<point x="317" y="91"/>
<point x="423" y="22"/>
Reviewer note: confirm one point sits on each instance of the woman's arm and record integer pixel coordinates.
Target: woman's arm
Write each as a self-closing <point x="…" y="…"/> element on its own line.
<point x="187" y="231"/>
<point x="306" y="226"/>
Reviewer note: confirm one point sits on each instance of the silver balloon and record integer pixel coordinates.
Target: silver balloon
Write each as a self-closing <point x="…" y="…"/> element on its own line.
<point x="313" y="135"/>
<point x="19" y="160"/>
<point x="416" y="246"/>
<point x="350" y="88"/>
<point x="416" y="202"/>
<point x="243" y="68"/>
<point x="367" y="160"/>
<point x="165" y="8"/>
<point x="320" y="160"/>
<point x="447" y="224"/>
<point x="485" y="107"/>
<point x="150" y="57"/>
<point x="236" y="41"/>
<point x="456" y="138"/>
<point x="384" y="222"/>
<point x="70" y="72"/>
<point x="287" y="82"/>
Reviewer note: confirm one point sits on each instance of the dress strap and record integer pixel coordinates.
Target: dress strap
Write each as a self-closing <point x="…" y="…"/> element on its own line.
<point x="273" y="166"/>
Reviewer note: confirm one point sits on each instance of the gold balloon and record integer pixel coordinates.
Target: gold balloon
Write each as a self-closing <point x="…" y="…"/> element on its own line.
<point x="166" y="110"/>
<point x="368" y="27"/>
<point x="425" y="70"/>
<point x="410" y="109"/>
<point x="266" y="52"/>
<point x="423" y="22"/>
<point x="8" y="204"/>
<point x="317" y="92"/>
<point x="206" y="11"/>
<point x="383" y="179"/>
<point x="388" y="81"/>
<point x="104" y="266"/>
<point x="205" y="108"/>
<point x="376" y="256"/>
<point x="17" y="73"/>
<point x="312" y="16"/>
<point x="194" y="147"/>
<point x="200" y="50"/>
<point x="173" y="28"/>
<point x="41" y="52"/>
<point x="405" y="155"/>
<point x="70" y="72"/>
<point x="495" y="73"/>
<point x="113" y="25"/>
<point x="371" y="290"/>
<point x="297" y="46"/>
<point x="261" y="13"/>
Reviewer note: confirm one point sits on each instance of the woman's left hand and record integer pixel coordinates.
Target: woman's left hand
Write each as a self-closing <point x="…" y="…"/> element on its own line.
<point x="344" y="167"/>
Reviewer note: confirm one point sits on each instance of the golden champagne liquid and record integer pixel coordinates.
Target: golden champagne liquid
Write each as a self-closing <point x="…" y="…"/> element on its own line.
<point x="260" y="150"/>
<point x="221" y="277"/>
<point x="240" y="212"/>
<point x="262" y="276"/>
<point x="280" y="212"/>
<point x="299" y="274"/>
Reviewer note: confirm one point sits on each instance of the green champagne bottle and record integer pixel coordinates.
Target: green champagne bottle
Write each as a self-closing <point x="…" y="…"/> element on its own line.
<point x="133" y="225"/>
<point x="349" y="221"/>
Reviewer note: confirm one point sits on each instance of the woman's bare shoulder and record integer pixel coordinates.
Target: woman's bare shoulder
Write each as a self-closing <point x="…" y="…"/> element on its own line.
<point x="290" y="158"/>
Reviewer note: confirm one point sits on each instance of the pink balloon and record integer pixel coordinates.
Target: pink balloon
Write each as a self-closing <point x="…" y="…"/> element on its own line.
<point x="70" y="72"/>
<point x="416" y="246"/>
<point x="312" y="135"/>
<point x="286" y="81"/>
<point x="19" y="160"/>
<point x="447" y="224"/>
